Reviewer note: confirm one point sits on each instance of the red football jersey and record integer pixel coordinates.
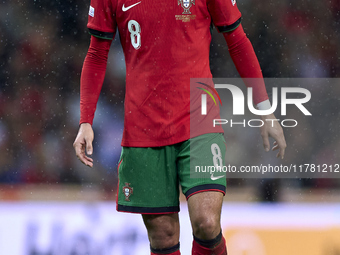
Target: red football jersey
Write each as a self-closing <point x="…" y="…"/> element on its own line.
<point x="165" y="43"/>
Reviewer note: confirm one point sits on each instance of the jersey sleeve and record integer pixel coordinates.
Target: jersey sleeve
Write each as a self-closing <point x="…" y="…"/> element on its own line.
<point x="225" y="14"/>
<point x="102" y="19"/>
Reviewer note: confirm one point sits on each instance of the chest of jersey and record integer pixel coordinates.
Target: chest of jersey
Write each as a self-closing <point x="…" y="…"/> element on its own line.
<point x="143" y="24"/>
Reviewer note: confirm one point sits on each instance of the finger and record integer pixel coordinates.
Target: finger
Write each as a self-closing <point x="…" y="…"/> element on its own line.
<point x="80" y="152"/>
<point x="89" y="148"/>
<point x="266" y="143"/>
<point x="281" y="143"/>
<point x="282" y="153"/>
<point x="86" y="160"/>
<point x="81" y="155"/>
<point x="89" y="163"/>
<point x="275" y="147"/>
<point x="282" y="147"/>
<point x="77" y="148"/>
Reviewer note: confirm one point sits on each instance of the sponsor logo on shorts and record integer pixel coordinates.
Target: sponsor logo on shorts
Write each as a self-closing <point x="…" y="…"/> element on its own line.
<point x="211" y="170"/>
<point x="214" y="178"/>
<point x="127" y="191"/>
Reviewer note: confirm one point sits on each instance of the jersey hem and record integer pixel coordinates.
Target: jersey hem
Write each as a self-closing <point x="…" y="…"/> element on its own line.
<point x="205" y="187"/>
<point x="147" y="210"/>
<point x="126" y="143"/>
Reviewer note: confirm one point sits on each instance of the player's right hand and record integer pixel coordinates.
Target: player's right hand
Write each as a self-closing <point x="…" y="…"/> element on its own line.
<point x="273" y="129"/>
<point x="83" y="142"/>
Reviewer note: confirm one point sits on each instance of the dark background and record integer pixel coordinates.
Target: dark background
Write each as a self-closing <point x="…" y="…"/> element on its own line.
<point x="43" y="45"/>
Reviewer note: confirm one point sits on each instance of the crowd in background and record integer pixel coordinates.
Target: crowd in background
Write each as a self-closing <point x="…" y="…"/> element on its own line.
<point x="42" y="48"/>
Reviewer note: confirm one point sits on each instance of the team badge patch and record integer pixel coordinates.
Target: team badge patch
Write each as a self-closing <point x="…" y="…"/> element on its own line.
<point x="233" y="2"/>
<point x="91" y="11"/>
<point x="186" y="14"/>
<point x="186" y="4"/>
<point x="128" y="191"/>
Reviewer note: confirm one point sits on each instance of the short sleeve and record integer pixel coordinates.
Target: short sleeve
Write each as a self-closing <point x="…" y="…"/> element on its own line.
<point x="225" y="14"/>
<point x="102" y="18"/>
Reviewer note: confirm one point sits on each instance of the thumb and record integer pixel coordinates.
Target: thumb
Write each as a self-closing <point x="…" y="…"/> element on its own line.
<point x="89" y="148"/>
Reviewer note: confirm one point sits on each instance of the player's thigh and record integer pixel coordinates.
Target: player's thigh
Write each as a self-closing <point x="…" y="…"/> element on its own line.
<point x="200" y="164"/>
<point x="148" y="180"/>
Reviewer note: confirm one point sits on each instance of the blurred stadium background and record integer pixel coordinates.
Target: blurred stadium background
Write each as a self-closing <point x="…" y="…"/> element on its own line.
<point x="51" y="204"/>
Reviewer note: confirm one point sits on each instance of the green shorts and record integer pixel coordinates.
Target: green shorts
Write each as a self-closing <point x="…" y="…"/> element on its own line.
<point x="149" y="178"/>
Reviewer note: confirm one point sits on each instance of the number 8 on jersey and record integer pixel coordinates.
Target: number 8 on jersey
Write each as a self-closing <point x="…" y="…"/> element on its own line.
<point x="134" y="29"/>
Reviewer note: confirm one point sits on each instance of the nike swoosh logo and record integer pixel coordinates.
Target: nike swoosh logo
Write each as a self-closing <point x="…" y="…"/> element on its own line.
<point x="214" y="178"/>
<point x="129" y="7"/>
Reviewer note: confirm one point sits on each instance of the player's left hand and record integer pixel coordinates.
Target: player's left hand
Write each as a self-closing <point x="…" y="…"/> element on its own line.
<point x="272" y="128"/>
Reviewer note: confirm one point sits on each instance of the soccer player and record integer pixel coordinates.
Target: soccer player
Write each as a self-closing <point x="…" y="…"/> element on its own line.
<point x="165" y="43"/>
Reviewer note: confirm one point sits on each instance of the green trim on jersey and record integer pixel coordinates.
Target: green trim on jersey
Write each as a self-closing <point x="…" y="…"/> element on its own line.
<point x="224" y="29"/>
<point x="102" y="35"/>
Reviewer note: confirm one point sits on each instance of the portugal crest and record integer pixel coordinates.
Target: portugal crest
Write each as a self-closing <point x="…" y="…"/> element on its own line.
<point x="128" y="191"/>
<point x="186" y="4"/>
